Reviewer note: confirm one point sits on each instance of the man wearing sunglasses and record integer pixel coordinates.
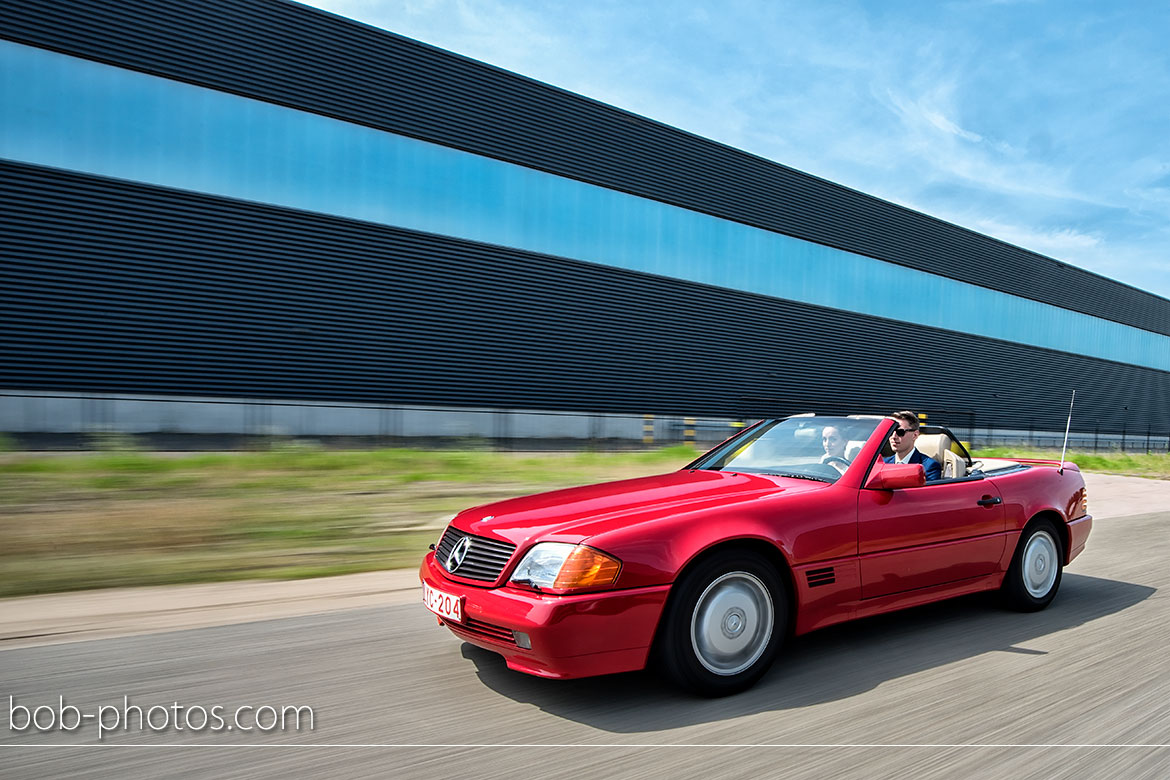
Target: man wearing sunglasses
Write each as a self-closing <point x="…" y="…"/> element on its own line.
<point x="902" y="441"/>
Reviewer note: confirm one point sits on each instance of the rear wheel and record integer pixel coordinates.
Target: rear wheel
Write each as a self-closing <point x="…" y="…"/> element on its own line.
<point x="1034" y="576"/>
<point x="724" y="624"/>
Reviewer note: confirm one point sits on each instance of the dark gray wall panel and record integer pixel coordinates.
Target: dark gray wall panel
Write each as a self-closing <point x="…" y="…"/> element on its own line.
<point x="118" y="287"/>
<point x="302" y="57"/>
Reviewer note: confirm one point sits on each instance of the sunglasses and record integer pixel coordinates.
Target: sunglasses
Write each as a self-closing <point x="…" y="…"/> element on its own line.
<point x="903" y="431"/>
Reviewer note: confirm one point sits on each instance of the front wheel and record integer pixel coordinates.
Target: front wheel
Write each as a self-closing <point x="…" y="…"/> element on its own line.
<point x="724" y="624"/>
<point x="1034" y="576"/>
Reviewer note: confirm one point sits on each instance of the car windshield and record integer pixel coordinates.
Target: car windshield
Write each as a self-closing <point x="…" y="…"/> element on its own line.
<point x="818" y="448"/>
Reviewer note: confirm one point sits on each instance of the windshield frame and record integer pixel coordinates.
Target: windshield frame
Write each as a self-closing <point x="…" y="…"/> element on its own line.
<point x="722" y="457"/>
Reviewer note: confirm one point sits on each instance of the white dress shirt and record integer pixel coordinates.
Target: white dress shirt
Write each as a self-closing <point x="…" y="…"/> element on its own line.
<point x="906" y="459"/>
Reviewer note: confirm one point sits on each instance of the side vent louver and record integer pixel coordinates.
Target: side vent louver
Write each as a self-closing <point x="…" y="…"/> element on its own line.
<point x="820" y="577"/>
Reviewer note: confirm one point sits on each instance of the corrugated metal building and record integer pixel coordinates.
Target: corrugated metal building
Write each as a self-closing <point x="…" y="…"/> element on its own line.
<point x="257" y="199"/>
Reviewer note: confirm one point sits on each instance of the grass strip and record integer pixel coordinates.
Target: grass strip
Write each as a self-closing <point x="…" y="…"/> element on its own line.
<point x="106" y="519"/>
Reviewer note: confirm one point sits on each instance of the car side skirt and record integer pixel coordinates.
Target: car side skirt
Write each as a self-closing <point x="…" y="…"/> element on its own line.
<point x="812" y="619"/>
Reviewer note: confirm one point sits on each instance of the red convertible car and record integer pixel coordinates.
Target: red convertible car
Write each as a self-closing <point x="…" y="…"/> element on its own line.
<point x="705" y="571"/>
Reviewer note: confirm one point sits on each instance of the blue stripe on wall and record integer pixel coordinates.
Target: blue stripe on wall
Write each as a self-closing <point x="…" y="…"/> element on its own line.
<point x="70" y="113"/>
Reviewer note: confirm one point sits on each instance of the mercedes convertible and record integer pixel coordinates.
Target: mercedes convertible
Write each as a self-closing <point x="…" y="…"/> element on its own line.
<point x="780" y="530"/>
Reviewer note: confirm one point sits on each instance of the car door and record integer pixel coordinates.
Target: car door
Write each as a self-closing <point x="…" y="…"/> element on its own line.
<point x="918" y="537"/>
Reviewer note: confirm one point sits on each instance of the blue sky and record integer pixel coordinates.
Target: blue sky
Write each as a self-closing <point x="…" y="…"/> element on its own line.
<point x="1045" y="124"/>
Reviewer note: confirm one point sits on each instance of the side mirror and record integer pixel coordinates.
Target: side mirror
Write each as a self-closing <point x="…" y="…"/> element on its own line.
<point x="894" y="476"/>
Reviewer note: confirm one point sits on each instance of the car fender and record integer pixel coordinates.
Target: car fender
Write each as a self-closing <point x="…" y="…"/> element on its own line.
<point x="1042" y="490"/>
<point x="802" y="527"/>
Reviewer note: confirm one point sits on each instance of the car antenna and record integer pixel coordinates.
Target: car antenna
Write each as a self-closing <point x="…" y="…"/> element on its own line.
<point x="1067" y="425"/>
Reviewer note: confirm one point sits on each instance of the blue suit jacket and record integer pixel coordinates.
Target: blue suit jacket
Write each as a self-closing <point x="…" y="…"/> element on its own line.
<point x="929" y="465"/>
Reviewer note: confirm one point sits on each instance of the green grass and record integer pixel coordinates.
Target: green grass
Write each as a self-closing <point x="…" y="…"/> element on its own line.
<point x="1132" y="464"/>
<point x="126" y="517"/>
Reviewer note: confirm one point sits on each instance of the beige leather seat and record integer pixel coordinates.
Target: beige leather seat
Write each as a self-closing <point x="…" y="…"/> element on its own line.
<point x="938" y="446"/>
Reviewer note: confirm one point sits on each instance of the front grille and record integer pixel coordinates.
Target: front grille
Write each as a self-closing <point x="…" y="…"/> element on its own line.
<point x="485" y="558"/>
<point x="478" y="628"/>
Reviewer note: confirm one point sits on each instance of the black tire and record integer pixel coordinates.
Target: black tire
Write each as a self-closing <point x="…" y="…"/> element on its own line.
<point x="724" y="624"/>
<point x="1030" y="584"/>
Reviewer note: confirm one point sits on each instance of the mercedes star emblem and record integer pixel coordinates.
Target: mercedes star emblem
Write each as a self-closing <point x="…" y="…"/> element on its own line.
<point x="458" y="554"/>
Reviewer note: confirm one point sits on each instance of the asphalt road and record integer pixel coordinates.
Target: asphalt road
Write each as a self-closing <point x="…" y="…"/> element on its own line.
<point x="960" y="689"/>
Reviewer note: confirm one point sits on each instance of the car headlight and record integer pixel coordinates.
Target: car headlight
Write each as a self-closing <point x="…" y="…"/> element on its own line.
<point x="562" y="566"/>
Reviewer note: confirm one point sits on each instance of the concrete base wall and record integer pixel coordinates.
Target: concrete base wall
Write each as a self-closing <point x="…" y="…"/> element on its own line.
<point x="57" y="419"/>
<point x="65" y="413"/>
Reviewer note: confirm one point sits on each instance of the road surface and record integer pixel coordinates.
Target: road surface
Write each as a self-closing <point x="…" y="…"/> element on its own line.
<point x="960" y="689"/>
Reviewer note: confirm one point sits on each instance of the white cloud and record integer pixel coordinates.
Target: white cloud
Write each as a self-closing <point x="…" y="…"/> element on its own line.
<point x="1057" y="242"/>
<point x="924" y="113"/>
<point x="947" y="126"/>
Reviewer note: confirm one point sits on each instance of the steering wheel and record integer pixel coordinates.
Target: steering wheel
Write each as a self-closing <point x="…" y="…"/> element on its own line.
<point x="833" y="460"/>
<point x="826" y="470"/>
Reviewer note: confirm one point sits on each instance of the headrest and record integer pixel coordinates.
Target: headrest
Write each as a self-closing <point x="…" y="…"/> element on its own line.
<point x="934" y="445"/>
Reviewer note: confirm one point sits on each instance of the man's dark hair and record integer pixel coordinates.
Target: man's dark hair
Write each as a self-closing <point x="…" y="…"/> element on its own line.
<point x="908" y="418"/>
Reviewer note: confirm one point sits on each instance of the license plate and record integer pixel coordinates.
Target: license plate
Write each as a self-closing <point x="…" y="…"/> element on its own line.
<point x="443" y="604"/>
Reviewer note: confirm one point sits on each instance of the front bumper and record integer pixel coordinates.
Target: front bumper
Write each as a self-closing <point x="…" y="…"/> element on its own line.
<point x="578" y="635"/>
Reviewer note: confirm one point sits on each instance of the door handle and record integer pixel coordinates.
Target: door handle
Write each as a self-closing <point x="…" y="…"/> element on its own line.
<point x="989" y="501"/>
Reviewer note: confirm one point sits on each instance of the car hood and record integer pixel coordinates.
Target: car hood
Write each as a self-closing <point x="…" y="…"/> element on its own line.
<point x="574" y="514"/>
